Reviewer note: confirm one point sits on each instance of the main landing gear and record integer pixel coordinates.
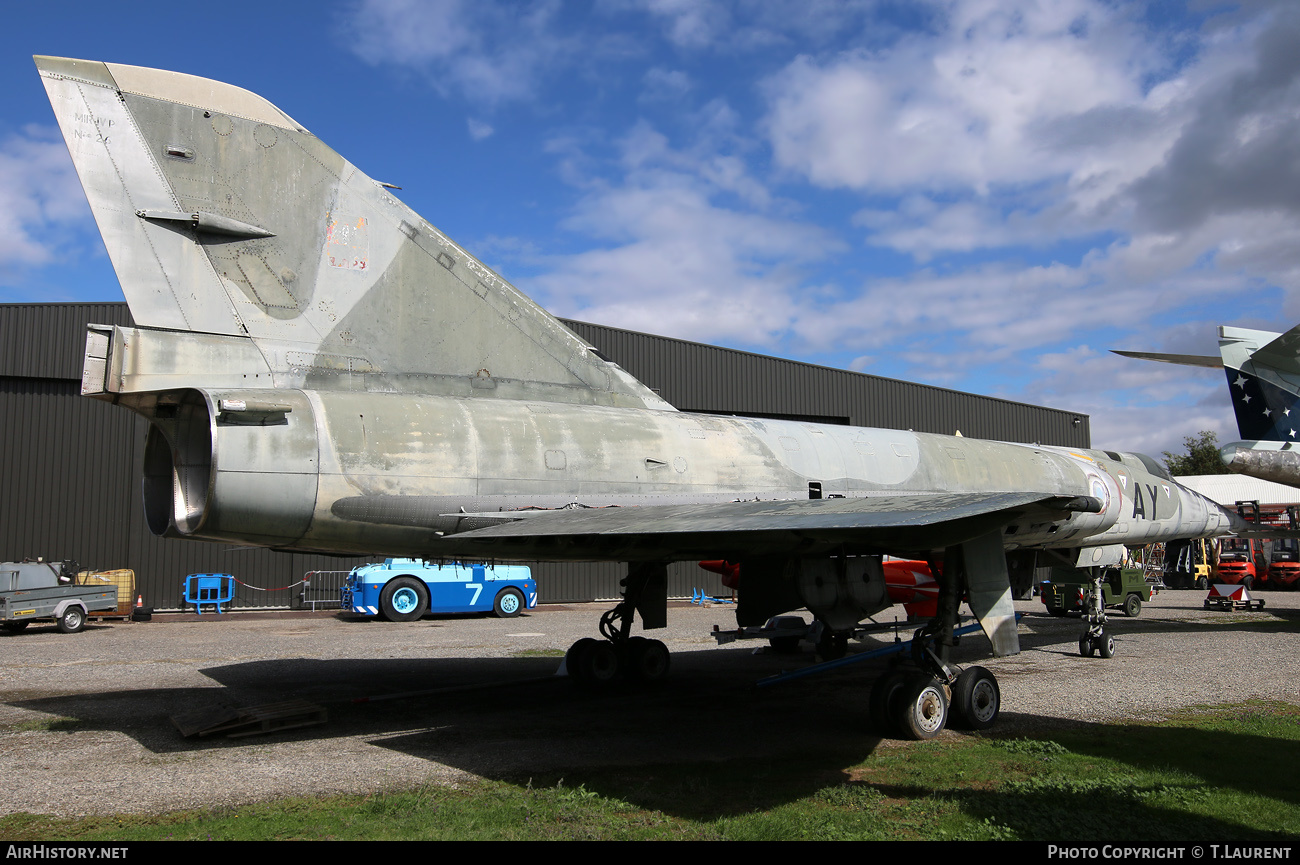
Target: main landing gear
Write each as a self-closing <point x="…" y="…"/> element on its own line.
<point x="596" y="663"/>
<point x="919" y="700"/>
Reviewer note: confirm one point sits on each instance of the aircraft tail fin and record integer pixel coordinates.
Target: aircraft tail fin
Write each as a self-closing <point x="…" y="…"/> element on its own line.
<point x="224" y="216"/>
<point x="1281" y="353"/>
<point x="1263" y="370"/>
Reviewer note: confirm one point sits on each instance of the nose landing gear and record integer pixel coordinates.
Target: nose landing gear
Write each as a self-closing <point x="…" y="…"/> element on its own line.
<point x="1094" y="637"/>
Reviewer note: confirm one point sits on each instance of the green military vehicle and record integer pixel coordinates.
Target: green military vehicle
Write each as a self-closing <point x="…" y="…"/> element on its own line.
<point x="1122" y="589"/>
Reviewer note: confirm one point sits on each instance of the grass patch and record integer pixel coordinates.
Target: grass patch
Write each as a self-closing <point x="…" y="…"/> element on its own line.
<point x="539" y="653"/>
<point x="46" y="725"/>
<point x="1217" y="773"/>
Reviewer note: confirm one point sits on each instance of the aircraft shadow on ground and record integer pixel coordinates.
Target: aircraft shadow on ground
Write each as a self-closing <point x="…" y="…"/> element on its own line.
<point x="704" y="745"/>
<point x="495" y="709"/>
<point x="1045" y="628"/>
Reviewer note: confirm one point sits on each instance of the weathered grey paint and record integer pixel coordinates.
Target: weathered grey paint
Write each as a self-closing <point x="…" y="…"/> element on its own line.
<point x="324" y="370"/>
<point x="76" y="464"/>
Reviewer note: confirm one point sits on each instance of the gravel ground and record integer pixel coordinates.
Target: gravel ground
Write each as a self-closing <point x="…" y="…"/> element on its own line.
<point x="85" y="719"/>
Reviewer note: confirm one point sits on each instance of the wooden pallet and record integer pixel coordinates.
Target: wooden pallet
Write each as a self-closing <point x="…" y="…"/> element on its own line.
<point x="235" y="722"/>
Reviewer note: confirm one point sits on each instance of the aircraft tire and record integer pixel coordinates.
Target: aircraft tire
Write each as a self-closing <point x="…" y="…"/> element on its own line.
<point x="600" y="664"/>
<point x="647" y="661"/>
<point x="508" y="604"/>
<point x="1132" y="606"/>
<point x="922" y="707"/>
<point x="784" y="645"/>
<point x="1085" y="646"/>
<point x="1106" y="646"/>
<point x="573" y="658"/>
<point x="404" y="599"/>
<point x="883" y="701"/>
<point x="976" y="699"/>
<point x="833" y="645"/>
<point x="72" y="620"/>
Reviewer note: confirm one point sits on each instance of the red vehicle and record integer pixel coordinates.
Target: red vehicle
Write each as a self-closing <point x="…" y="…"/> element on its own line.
<point x="1284" y="572"/>
<point x="1240" y="558"/>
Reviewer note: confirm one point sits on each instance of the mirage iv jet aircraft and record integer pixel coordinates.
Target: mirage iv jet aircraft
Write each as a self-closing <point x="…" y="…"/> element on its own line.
<point x="323" y="370"/>
<point x="1263" y="370"/>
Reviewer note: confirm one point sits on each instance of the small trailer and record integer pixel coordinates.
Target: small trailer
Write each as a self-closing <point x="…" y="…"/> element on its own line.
<point x="33" y="591"/>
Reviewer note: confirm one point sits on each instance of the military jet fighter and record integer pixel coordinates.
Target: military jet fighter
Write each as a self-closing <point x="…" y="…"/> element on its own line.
<point x="323" y="370"/>
<point x="1263" y="370"/>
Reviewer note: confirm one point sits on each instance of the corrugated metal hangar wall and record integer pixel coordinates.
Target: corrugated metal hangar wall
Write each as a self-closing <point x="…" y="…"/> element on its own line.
<point x="70" y="467"/>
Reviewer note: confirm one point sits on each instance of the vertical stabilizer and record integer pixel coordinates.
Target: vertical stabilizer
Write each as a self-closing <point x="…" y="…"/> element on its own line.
<point x="223" y="215"/>
<point x="1264" y="380"/>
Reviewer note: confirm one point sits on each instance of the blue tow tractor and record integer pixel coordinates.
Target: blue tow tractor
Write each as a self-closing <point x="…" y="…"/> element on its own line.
<point x="403" y="590"/>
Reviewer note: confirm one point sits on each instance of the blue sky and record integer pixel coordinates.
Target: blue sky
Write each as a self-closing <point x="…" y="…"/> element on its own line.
<point x="980" y="194"/>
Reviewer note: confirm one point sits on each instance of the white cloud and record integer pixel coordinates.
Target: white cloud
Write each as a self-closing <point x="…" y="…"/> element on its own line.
<point x="674" y="261"/>
<point x="690" y="23"/>
<point x="478" y="130"/>
<point x="484" y="51"/>
<point x="41" y="201"/>
<point x="1027" y="123"/>
<point x="966" y="107"/>
<point x="664" y="84"/>
<point x="1135" y="405"/>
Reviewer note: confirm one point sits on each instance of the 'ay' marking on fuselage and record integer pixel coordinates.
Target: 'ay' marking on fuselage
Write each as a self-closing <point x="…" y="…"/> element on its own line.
<point x="1139" y="504"/>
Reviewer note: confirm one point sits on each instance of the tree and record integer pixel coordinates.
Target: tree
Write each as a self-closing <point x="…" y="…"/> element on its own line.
<point x="1202" y="457"/>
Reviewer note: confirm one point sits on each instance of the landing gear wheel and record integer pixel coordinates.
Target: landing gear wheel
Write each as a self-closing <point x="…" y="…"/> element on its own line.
<point x="508" y="604"/>
<point x="1085" y="646"/>
<point x="573" y="658"/>
<point x="883" y="702"/>
<point x="922" y="707"/>
<point x="72" y="620"/>
<point x="1132" y="606"/>
<point x="1106" y="646"/>
<point x="599" y="664"/>
<point x="404" y="599"/>
<point x="976" y="699"/>
<point x="784" y="645"/>
<point x="647" y="660"/>
<point x="833" y="645"/>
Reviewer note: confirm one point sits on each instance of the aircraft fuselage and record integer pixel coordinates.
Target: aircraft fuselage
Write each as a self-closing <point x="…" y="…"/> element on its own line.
<point x="360" y="472"/>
